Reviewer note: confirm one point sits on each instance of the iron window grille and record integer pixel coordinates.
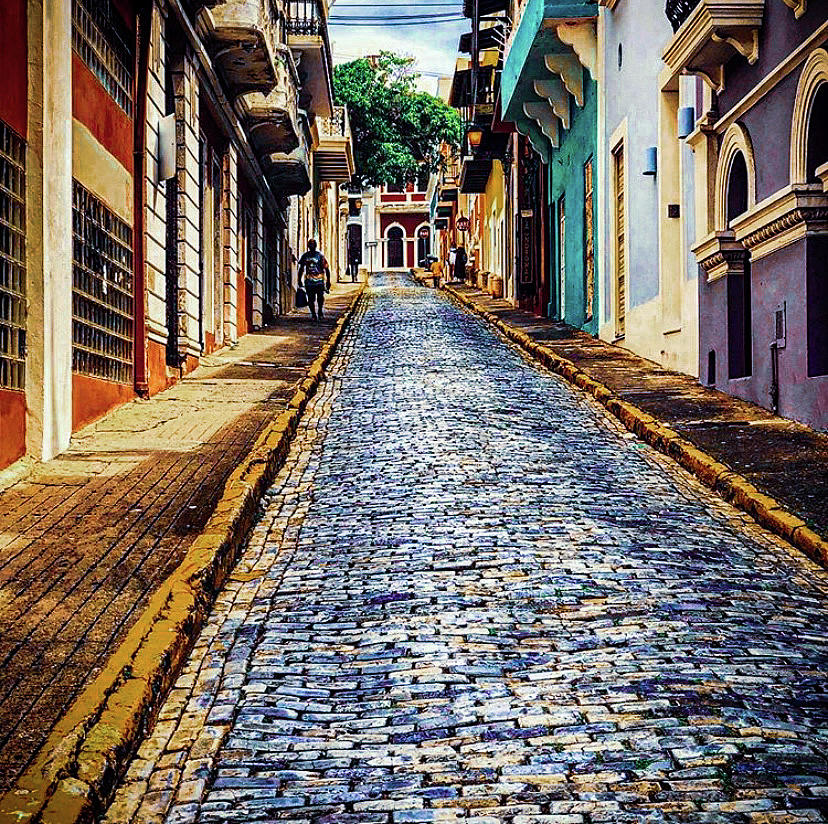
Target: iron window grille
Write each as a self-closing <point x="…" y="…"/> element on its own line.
<point x="100" y="40"/>
<point x="12" y="259"/>
<point x="102" y="290"/>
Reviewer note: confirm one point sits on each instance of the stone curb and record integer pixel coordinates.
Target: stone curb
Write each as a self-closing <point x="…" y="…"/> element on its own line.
<point x="732" y="486"/>
<point x="76" y="771"/>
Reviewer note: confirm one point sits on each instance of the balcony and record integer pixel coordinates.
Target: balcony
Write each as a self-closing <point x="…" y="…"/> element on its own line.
<point x="307" y="36"/>
<point x="710" y="33"/>
<point x="271" y="118"/>
<point x="288" y="173"/>
<point x="550" y="50"/>
<point x="475" y="175"/>
<point x="241" y="36"/>
<point x="334" y="157"/>
<point x="477" y="105"/>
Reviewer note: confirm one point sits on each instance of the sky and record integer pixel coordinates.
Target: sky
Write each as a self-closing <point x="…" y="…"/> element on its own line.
<point x="432" y="44"/>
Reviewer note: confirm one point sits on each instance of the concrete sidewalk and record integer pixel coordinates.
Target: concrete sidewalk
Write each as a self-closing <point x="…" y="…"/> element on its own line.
<point x="783" y="459"/>
<point x="87" y="538"/>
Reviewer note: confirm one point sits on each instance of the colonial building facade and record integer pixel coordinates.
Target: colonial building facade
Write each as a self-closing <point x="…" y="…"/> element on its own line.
<point x="666" y="181"/>
<point x="162" y="165"/>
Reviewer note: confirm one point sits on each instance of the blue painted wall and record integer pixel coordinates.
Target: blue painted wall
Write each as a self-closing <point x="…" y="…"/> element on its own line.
<point x="566" y="178"/>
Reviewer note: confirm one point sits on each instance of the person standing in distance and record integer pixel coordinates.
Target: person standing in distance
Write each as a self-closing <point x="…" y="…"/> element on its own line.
<point x="317" y="276"/>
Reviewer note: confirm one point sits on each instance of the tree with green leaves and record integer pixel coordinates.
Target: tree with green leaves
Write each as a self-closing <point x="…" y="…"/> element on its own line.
<point x="397" y="129"/>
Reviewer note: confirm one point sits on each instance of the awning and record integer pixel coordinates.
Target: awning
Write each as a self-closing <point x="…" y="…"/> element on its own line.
<point x="475" y="175"/>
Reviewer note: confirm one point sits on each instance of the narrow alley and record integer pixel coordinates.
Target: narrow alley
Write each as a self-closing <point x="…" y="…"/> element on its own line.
<point x="472" y="595"/>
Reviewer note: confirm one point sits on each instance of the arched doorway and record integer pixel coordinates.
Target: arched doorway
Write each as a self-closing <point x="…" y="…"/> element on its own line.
<point x="817" y="251"/>
<point x="354" y="256"/>
<point x="394" y="247"/>
<point x="423" y="244"/>
<point x="739" y="333"/>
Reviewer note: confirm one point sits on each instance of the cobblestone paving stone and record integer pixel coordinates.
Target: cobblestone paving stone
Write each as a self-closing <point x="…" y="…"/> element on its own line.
<point x="472" y="596"/>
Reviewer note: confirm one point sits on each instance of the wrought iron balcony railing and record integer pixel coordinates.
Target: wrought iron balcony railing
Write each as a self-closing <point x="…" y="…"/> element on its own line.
<point x="679" y="10"/>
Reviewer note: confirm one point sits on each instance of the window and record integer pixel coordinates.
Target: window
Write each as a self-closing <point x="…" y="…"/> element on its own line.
<point x="817" y="151"/>
<point x="589" y="240"/>
<point x="102" y="41"/>
<point x="102" y="290"/>
<point x="737" y="187"/>
<point x="619" y="240"/>
<point x="12" y="259"/>
<point x="739" y="336"/>
<point x="817" y="249"/>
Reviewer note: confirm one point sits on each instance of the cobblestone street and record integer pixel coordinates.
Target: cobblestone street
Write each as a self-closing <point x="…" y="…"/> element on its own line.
<point x="472" y="595"/>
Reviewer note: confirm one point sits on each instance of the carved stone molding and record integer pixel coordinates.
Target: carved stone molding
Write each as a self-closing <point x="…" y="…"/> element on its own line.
<point x="721" y="254"/>
<point x="782" y="219"/>
<point x="822" y="174"/>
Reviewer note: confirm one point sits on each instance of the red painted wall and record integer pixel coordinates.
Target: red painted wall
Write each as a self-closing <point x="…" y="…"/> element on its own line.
<point x="107" y="121"/>
<point x="13" y="64"/>
<point x="409" y="221"/>
<point x="92" y="398"/>
<point x="13" y="111"/>
<point x="12" y="426"/>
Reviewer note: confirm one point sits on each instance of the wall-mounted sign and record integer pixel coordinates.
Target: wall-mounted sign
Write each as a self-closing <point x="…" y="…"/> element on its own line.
<point x="462" y="224"/>
<point x="424" y="232"/>
<point x="527" y="212"/>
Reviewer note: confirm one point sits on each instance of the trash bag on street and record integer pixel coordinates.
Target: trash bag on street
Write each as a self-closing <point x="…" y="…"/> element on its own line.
<point x="301" y="298"/>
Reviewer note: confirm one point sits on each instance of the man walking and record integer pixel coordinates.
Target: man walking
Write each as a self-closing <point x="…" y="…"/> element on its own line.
<point x="353" y="263"/>
<point x="317" y="275"/>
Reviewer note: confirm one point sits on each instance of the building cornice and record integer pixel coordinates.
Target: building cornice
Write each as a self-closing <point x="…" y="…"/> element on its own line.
<point x="782" y="219"/>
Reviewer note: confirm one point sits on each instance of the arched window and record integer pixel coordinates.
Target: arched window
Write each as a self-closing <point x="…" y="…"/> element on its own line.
<point x="737" y="187"/>
<point x="395" y="247"/>
<point x="739" y="332"/>
<point x="817" y="146"/>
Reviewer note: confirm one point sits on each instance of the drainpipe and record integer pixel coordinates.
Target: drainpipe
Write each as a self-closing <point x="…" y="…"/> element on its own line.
<point x="139" y="187"/>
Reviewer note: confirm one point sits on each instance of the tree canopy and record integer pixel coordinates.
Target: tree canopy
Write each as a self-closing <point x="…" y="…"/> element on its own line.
<point x="397" y="129"/>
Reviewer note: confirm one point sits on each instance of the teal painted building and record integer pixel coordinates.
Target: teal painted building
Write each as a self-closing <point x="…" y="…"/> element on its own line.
<point x="549" y="92"/>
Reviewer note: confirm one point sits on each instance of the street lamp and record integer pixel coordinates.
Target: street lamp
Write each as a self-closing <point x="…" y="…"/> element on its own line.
<point x="474" y="135"/>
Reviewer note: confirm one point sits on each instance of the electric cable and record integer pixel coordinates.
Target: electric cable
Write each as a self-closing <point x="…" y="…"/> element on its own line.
<point x="399" y="23"/>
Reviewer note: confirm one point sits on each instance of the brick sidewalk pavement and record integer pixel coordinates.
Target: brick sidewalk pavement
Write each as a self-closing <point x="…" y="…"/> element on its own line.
<point x="784" y="459"/>
<point x="85" y="539"/>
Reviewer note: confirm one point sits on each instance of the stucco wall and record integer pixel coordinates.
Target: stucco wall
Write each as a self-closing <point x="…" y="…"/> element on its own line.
<point x="661" y="283"/>
<point x="776" y="279"/>
<point x="631" y="99"/>
<point x="779" y="34"/>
